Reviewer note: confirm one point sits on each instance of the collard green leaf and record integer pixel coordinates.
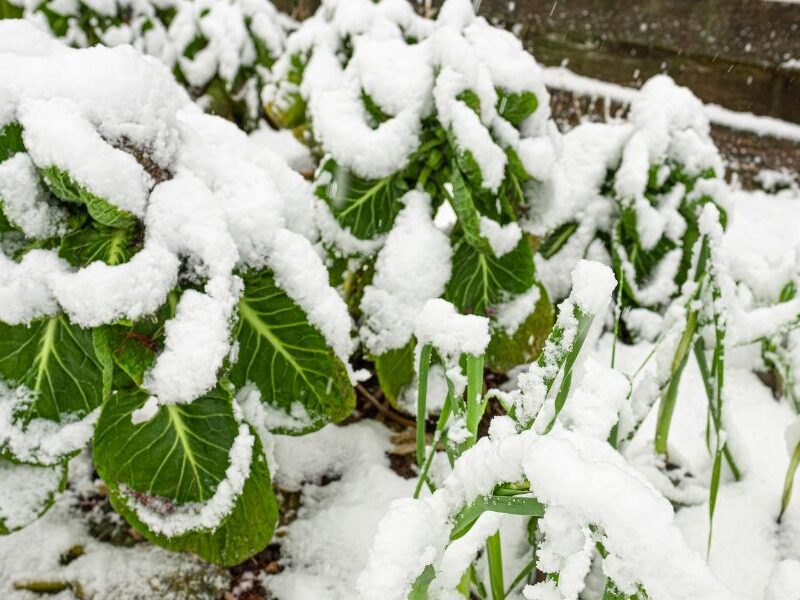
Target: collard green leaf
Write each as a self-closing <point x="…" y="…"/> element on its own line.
<point x="366" y="207"/>
<point x="287" y="358"/>
<point x="69" y="190"/>
<point x="553" y="243"/>
<point x="179" y="458"/>
<point x="374" y="111"/>
<point x="466" y="211"/>
<point x="523" y="346"/>
<point x="290" y="111"/>
<point x="10" y="140"/>
<point x="112" y="245"/>
<point x="480" y="280"/>
<point x="471" y="99"/>
<point x="395" y="370"/>
<point x="67" y="368"/>
<point x="135" y="346"/>
<point x="516" y="107"/>
<point x="10" y="11"/>
<point x="5" y="224"/>
<point x="512" y="191"/>
<point x="29" y="491"/>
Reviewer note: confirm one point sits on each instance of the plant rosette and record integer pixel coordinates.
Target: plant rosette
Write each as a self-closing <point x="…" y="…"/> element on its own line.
<point x="155" y="300"/>
<point x="425" y="176"/>
<point x="220" y="51"/>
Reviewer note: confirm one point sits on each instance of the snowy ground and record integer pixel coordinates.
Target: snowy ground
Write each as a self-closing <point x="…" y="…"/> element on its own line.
<point x="345" y="483"/>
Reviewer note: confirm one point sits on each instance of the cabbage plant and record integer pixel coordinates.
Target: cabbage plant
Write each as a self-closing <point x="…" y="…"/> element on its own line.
<point x="156" y="300"/>
<point x="423" y="176"/>
<point x="220" y="51"/>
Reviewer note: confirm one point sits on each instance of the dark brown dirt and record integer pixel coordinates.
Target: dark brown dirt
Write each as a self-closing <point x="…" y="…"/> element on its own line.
<point x="245" y="584"/>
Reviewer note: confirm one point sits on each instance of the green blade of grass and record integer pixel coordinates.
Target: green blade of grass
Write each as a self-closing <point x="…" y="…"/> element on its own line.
<point x="422" y="395"/>
<point x="476" y="404"/>
<point x="788" y="483"/>
<point x="512" y="505"/>
<point x="494" y="557"/>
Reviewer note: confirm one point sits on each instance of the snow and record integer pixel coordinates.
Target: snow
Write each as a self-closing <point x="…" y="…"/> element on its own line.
<point x="57" y="135"/>
<point x="449" y="332"/>
<point x="455" y="53"/>
<point x="230" y="205"/>
<point x="101" y="569"/>
<point x="563" y="78"/>
<point x="24" y="201"/>
<point x="329" y="542"/>
<point x="502" y="238"/>
<point x="510" y="315"/>
<point x="25" y="490"/>
<point x="636" y="521"/>
<point x="40" y="441"/>
<point x="412" y="267"/>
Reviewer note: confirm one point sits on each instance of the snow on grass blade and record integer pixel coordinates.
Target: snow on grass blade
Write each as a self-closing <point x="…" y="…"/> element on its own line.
<point x="591" y="293"/>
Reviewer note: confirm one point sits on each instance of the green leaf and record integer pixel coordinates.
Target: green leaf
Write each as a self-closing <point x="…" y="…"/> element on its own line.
<point x="516" y="107"/>
<point x="511" y="505"/>
<point x="67" y="368"/>
<point x="135" y="346"/>
<point x="179" y="458"/>
<point x="10" y="140"/>
<point x="10" y="11"/>
<point x="480" y="280"/>
<point x="512" y="191"/>
<point x="69" y="190"/>
<point x="364" y="206"/>
<point x="524" y="345"/>
<point x="5" y="224"/>
<point x="93" y="242"/>
<point x="466" y="211"/>
<point x="555" y="241"/>
<point x="34" y="491"/>
<point x="374" y="111"/>
<point x="395" y="370"/>
<point x="419" y="591"/>
<point x="471" y="99"/>
<point x="287" y="358"/>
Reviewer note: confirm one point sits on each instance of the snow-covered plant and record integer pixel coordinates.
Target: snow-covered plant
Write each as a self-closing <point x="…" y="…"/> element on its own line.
<point x="220" y="50"/>
<point x="581" y="501"/>
<point x="155" y="300"/>
<point x="424" y="173"/>
<point x="633" y="190"/>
